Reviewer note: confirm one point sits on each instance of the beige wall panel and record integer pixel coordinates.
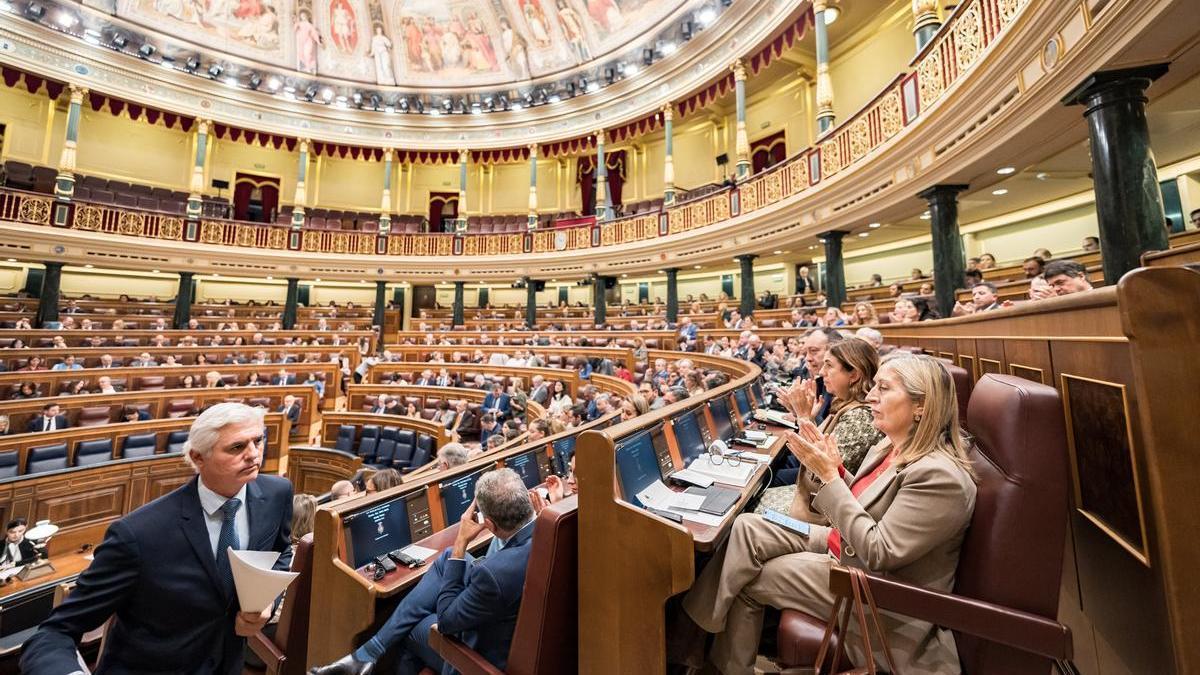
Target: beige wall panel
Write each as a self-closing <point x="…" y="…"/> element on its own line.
<point x="1061" y="232"/>
<point x="862" y="69"/>
<point x="24" y="118"/>
<point x="135" y="151"/>
<point x="217" y="290"/>
<point x="350" y="184"/>
<point x="110" y="284"/>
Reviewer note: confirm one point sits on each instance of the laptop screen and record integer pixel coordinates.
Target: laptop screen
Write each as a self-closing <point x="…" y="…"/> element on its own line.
<point x="719" y="407"/>
<point x="687" y="435"/>
<point x="637" y="465"/>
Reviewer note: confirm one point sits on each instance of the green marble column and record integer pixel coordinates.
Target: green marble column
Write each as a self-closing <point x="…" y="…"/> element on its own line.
<point x="748" y="299"/>
<point x="459" y="287"/>
<point x="825" y="116"/>
<point x="604" y="210"/>
<point x="48" y="299"/>
<point x="672" y="294"/>
<point x="64" y="182"/>
<point x="530" y="302"/>
<point x="1129" y="203"/>
<point x="599" y="301"/>
<point x="290" y="305"/>
<point x="669" y="160"/>
<point x="835" y="272"/>
<point x="532" y="221"/>
<point x="194" y="202"/>
<point x="949" y="264"/>
<point x="385" y="200"/>
<point x="380" y="308"/>
<point x="183" y="300"/>
<point x="301" y="196"/>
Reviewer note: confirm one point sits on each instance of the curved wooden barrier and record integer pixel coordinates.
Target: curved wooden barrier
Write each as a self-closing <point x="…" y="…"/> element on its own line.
<point x="77" y="338"/>
<point x="421" y="353"/>
<point x="89" y="357"/>
<point x="314" y="470"/>
<point x="158" y="403"/>
<point x="359" y="397"/>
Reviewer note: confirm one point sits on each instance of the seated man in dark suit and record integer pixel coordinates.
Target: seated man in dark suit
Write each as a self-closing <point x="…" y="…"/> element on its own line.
<point x="487" y="426"/>
<point x="51" y="419"/>
<point x="291" y="408"/>
<point x="163" y="570"/>
<point x="17" y="549"/>
<point x="476" y="600"/>
<point x="283" y="377"/>
<point x="496" y="402"/>
<point x="131" y="413"/>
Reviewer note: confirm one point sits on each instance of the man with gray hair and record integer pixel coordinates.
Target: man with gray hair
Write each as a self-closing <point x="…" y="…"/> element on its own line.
<point x="163" y="570"/>
<point x="870" y="335"/>
<point x="451" y="455"/>
<point x="476" y="600"/>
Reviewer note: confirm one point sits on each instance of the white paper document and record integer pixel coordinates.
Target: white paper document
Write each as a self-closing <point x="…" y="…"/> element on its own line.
<point x="753" y="456"/>
<point x="724" y="473"/>
<point x="7" y="574"/>
<point x="257" y="584"/>
<point x="659" y="496"/>
<point x="699" y="517"/>
<point x="419" y="552"/>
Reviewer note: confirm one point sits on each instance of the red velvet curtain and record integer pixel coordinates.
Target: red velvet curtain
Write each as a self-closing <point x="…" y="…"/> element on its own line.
<point x="767" y="152"/>
<point x="586" y="177"/>
<point x="244" y="187"/>
<point x="241" y="200"/>
<point x="441" y="205"/>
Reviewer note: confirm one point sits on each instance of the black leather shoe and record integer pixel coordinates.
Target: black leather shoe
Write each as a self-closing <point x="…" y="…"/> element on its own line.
<point x="347" y="665"/>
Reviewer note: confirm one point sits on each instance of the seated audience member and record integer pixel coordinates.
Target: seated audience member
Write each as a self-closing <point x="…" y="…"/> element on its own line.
<point x="170" y="603"/>
<point x="68" y="363"/>
<point x="972" y="278"/>
<point x="896" y="290"/>
<point x="911" y="529"/>
<point x="495" y="441"/>
<point x="487" y="427"/>
<point x="872" y="336"/>
<point x="876" y="281"/>
<point x="1033" y="266"/>
<point x="864" y="314"/>
<point x="5" y="425"/>
<point x="290" y="409"/>
<point x="847" y="373"/>
<point x="27" y="390"/>
<point x="925" y="289"/>
<point x="1092" y="244"/>
<point x="304" y="513"/>
<point x="987" y="261"/>
<point x="925" y="311"/>
<point x="104" y="385"/>
<point x="212" y="380"/>
<point x="133" y="414"/>
<point x="451" y="455"/>
<point x="1039" y="289"/>
<point x="560" y="398"/>
<point x="1044" y="254"/>
<point x="382" y="480"/>
<point x="393" y="406"/>
<point x="1067" y="277"/>
<point x="905" y="311"/>
<point x="51" y="419"/>
<point x="17" y="549"/>
<point x="1194" y="217"/>
<point x="475" y="600"/>
<point x="496" y="402"/>
<point x="557" y="488"/>
<point x="341" y="490"/>
<point x="411" y="411"/>
<point x="33" y="364"/>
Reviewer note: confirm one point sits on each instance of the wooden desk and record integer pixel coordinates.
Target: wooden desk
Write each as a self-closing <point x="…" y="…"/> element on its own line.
<point x="66" y="566"/>
<point x="404" y="578"/>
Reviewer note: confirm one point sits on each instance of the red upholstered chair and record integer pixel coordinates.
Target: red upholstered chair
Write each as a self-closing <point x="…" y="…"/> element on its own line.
<point x="1005" y="598"/>
<point x="284" y="654"/>
<point x="545" y="641"/>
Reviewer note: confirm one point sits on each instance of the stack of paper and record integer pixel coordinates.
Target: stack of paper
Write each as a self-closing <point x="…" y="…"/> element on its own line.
<point x="257" y="584"/>
<point x="724" y="472"/>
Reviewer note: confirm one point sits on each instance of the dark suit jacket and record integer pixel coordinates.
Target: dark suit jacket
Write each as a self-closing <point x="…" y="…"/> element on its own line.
<point x="293" y="413"/>
<point x="279" y="380"/>
<point x="28" y="552"/>
<point x="156" y="571"/>
<point x="491" y="402"/>
<point x="481" y="605"/>
<point x="39" y="423"/>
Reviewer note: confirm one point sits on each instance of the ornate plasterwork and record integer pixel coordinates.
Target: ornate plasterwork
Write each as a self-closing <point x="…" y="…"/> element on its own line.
<point x="704" y="58"/>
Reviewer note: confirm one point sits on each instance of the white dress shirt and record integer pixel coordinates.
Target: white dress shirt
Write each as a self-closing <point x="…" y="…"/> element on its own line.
<point x="211" y="503"/>
<point x="14" y="552"/>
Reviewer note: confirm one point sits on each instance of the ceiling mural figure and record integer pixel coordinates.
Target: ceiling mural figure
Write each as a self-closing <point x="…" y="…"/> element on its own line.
<point x="409" y="43"/>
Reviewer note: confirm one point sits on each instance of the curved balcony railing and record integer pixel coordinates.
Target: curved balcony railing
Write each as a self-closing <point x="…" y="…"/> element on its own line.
<point x="959" y="46"/>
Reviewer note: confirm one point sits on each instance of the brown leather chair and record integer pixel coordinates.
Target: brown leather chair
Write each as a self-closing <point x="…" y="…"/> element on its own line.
<point x="285" y="652"/>
<point x="545" y="641"/>
<point x="1005" y="597"/>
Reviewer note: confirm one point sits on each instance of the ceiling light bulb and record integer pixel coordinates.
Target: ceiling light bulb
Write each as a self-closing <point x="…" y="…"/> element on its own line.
<point x="1006" y="170"/>
<point x="831" y="14"/>
<point x="1000" y="193"/>
<point x="864" y="234"/>
<point x="705" y="16"/>
<point x="273" y="84"/>
<point x="668" y="48"/>
<point x="65" y="19"/>
<point x="873" y="225"/>
<point x="327" y="93"/>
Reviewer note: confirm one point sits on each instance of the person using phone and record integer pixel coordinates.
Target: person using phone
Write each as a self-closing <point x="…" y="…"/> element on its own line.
<point x="556" y="489"/>
<point x="905" y="524"/>
<point x="477" y="601"/>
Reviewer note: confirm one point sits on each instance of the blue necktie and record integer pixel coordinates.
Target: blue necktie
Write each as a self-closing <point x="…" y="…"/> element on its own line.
<point x="227" y="539"/>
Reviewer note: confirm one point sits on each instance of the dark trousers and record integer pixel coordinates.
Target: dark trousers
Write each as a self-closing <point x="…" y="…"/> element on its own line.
<point x="408" y="627"/>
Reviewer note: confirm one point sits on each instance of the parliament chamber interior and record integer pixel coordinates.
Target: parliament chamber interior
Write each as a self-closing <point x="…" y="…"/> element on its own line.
<point x="599" y="336"/>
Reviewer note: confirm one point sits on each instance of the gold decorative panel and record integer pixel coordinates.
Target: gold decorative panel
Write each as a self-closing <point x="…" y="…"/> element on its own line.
<point x="170" y="228"/>
<point x="211" y="232"/>
<point x="831" y="158"/>
<point x="929" y="78"/>
<point x="968" y="37"/>
<point x="891" y="119"/>
<point x="131" y="223"/>
<point x="88" y="217"/>
<point x="34" y="210"/>
<point x="245" y="235"/>
<point x="860" y="138"/>
<point x="276" y="238"/>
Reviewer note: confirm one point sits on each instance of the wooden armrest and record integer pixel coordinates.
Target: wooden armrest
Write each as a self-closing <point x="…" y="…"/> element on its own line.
<point x="1014" y="628"/>
<point x="265" y="649"/>
<point x="464" y="659"/>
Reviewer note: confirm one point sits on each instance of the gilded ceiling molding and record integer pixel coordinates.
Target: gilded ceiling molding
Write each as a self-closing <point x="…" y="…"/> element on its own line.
<point x="744" y="27"/>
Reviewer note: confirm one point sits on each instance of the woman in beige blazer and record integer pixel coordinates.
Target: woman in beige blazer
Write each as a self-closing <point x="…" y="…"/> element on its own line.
<point x="903" y="514"/>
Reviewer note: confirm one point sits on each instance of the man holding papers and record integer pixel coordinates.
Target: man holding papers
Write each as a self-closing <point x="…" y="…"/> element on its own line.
<point x="164" y="570"/>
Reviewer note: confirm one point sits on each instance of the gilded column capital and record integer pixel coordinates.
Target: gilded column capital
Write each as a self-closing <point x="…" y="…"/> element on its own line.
<point x="820" y="6"/>
<point x="78" y="91"/>
<point x="599" y="136"/>
<point x="203" y="125"/>
<point x="464" y="155"/>
<point x="533" y="150"/>
<point x="739" y="70"/>
<point x="302" y="145"/>
<point x="668" y="112"/>
<point x="925" y="12"/>
<point x="388" y="154"/>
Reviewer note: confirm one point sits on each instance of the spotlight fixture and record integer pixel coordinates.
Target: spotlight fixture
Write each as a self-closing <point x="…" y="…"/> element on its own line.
<point x="419" y="104"/>
<point x="389" y="109"/>
<point x="1000" y="193"/>
<point x="464" y="106"/>
<point x="590" y="87"/>
<point x="403" y="105"/>
<point x="726" y="3"/>
<point x="310" y="93"/>
<point x="215" y="70"/>
<point x="375" y="101"/>
<point x="528" y="98"/>
<point x="832" y="12"/>
<point x="610" y="74"/>
<point x="192" y="64"/>
<point x="357" y="98"/>
<point x="231" y="81"/>
<point x="504" y="103"/>
<point x="476" y="109"/>
<point x="91" y="37"/>
<point x="447" y="105"/>
<point x="65" y="19"/>
<point x="255" y="81"/>
<point x="647" y="56"/>
<point x="146" y="50"/>
<point x="667" y="48"/>
<point x="35" y="11"/>
<point x="685" y="30"/>
<point x="490" y="103"/>
<point x="873" y="225"/>
<point x="167" y="62"/>
<point x="554" y="98"/>
<point x="119" y="41"/>
<point x="570" y="89"/>
<point x="864" y="234"/>
<point x="631" y="70"/>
